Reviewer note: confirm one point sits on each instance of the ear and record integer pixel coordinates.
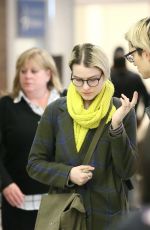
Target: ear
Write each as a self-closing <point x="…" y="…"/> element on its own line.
<point x="147" y="55"/>
<point x="49" y="74"/>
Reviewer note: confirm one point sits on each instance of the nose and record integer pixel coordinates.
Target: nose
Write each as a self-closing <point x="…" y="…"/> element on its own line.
<point x="28" y="74"/>
<point x="85" y="85"/>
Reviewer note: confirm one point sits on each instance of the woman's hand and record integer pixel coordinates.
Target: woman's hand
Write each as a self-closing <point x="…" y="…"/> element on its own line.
<point x="13" y="195"/>
<point x="123" y="110"/>
<point x="81" y="174"/>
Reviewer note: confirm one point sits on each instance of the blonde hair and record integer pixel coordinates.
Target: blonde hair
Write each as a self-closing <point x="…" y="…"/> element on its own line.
<point x="90" y="56"/>
<point x="42" y="59"/>
<point x="138" y="34"/>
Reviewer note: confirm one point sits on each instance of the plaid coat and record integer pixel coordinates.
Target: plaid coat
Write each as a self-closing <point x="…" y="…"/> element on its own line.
<point x="54" y="153"/>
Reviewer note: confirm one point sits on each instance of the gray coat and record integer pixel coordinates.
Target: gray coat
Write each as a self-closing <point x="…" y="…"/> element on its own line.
<point x="54" y="153"/>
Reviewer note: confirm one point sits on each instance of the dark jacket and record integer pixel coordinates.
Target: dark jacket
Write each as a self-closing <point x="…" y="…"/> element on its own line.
<point x="54" y="153"/>
<point x="126" y="82"/>
<point x="18" y="124"/>
<point x="139" y="219"/>
<point x="148" y="111"/>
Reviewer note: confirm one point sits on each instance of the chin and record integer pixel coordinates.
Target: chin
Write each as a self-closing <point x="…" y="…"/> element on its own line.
<point x="87" y="98"/>
<point x="146" y="75"/>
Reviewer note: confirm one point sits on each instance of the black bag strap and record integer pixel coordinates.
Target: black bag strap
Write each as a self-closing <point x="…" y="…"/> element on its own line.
<point x="96" y="137"/>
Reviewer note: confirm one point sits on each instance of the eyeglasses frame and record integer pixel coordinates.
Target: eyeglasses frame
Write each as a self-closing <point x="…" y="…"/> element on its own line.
<point x="128" y="54"/>
<point x="98" y="79"/>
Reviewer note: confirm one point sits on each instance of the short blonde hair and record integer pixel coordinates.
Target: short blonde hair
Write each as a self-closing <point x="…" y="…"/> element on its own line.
<point x="90" y="56"/>
<point x="44" y="60"/>
<point x="138" y="34"/>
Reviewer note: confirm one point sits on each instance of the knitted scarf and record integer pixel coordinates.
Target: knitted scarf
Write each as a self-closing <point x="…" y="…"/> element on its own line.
<point x="85" y="119"/>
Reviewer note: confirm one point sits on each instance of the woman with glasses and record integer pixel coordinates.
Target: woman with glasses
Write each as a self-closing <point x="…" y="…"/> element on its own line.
<point x="66" y="130"/>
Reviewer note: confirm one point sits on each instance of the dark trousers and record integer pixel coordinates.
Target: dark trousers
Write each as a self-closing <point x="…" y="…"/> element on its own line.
<point x="17" y="219"/>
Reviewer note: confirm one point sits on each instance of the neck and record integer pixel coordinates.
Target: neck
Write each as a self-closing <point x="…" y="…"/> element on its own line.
<point x="87" y="104"/>
<point x="40" y="99"/>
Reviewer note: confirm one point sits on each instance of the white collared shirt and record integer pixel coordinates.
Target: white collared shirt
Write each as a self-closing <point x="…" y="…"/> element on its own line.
<point x="37" y="109"/>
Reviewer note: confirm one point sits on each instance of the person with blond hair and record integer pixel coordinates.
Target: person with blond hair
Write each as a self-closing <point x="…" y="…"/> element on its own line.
<point x="36" y="84"/>
<point x="138" y="38"/>
<point x="66" y="130"/>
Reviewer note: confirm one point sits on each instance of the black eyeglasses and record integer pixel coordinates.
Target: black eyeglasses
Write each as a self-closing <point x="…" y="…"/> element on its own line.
<point x="79" y="82"/>
<point x="129" y="55"/>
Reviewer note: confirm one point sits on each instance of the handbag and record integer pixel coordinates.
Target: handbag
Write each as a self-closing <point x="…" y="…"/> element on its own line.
<point x="61" y="211"/>
<point x="66" y="210"/>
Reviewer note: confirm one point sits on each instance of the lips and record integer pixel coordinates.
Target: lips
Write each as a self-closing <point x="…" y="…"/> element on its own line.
<point x="86" y="93"/>
<point x="28" y="84"/>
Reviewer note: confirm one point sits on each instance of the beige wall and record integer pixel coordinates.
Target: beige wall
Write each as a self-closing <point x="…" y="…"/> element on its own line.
<point x="106" y="24"/>
<point x="58" y="39"/>
<point x="103" y="22"/>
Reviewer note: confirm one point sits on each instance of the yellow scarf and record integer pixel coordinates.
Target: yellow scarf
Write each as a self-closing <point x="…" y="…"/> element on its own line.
<point x="85" y="119"/>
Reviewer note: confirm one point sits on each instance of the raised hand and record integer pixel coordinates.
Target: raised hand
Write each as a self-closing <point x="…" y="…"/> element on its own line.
<point x="124" y="109"/>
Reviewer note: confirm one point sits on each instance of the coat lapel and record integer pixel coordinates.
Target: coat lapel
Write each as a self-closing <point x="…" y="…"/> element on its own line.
<point x="66" y="124"/>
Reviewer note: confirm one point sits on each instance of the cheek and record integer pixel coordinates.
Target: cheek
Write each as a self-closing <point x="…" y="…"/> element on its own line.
<point x="47" y="75"/>
<point x="145" y="72"/>
<point x="99" y="88"/>
<point x="139" y="61"/>
<point x="78" y="90"/>
<point x="21" y="79"/>
<point x="43" y="79"/>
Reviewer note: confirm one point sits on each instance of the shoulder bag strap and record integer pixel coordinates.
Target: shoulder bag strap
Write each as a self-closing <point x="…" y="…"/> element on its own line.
<point x="96" y="137"/>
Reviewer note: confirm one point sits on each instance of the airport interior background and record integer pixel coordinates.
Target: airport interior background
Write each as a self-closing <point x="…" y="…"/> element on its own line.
<point x="57" y="25"/>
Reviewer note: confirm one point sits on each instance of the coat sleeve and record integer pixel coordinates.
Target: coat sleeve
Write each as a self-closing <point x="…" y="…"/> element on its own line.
<point x="124" y="148"/>
<point x="42" y="165"/>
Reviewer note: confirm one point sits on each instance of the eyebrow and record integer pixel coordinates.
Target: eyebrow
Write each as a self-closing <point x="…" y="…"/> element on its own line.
<point x="94" y="76"/>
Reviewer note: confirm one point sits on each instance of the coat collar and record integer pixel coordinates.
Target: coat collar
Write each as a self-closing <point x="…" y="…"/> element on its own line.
<point x="66" y="124"/>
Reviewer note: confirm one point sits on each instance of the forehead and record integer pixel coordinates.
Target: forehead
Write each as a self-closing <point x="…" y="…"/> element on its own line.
<point x="82" y="71"/>
<point x="31" y="63"/>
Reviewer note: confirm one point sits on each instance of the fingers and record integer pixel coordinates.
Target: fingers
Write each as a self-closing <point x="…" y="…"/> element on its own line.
<point x="126" y="102"/>
<point x="87" y="171"/>
<point x="88" y="175"/>
<point x="134" y="99"/>
<point x="81" y="174"/>
<point x="13" y="195"/>
<point x="123" y="110"/>
<point x="86" y="168"/>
